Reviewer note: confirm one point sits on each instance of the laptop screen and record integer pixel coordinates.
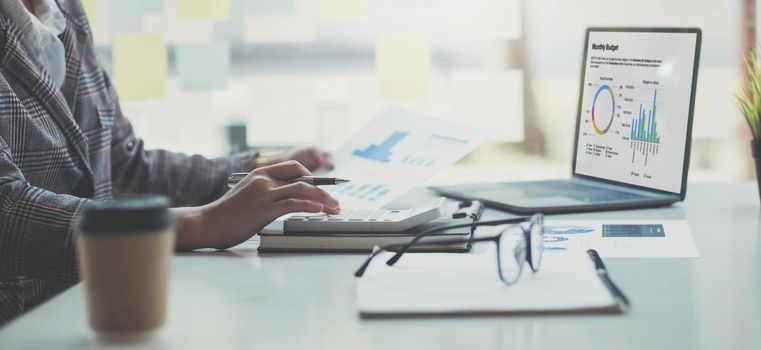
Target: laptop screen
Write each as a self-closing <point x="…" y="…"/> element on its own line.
<point x="635" y="107"/>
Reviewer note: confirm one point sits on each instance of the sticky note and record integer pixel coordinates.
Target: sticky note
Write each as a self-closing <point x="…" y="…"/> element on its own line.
<point x="139" y="62"/>
<point x="212" y="10"/>
<point x="713" y="84"/>
<point x="490" y="19"/>
<point x="338" y="10"/>
<point x="283" y="110"/>
<point x="175" y="30"/>
<point x="203" y="66"/>
<point x="403" y="64"/>
<point x="492" y="98"/>
<point x="232" y="29"/>
<point x="271" y="7"/>
<point x="298" y="26"/>
<point x="126" y="16"/>
<point x="89" y="7"/>
<point x="153" y="6"/>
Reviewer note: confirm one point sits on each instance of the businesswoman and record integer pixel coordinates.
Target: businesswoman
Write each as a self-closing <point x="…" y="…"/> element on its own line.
<point x="64" y="142"/>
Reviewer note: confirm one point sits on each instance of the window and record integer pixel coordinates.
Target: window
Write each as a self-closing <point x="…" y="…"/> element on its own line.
<point x="313" y="71"/>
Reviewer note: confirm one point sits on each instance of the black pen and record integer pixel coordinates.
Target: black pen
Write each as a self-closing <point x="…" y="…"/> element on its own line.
<point x="234" y="178"/>
<point x="472" y="211"/>
<point x="319" y="181"/>
<point x="602" y="272"/>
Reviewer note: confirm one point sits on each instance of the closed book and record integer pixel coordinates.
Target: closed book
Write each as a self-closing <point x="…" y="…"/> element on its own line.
<point x="277" y="241"/>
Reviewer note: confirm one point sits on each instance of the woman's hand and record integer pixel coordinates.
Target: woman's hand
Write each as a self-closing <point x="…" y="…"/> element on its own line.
<point x="311" y="157"/>
<point x="260" y="198"/>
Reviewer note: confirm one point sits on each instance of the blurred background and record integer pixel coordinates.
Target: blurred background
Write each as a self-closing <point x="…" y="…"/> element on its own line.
<point x="216" y="76"/>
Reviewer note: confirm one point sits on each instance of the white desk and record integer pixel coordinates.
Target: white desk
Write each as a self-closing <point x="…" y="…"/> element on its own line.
<point x="238" y="299"/>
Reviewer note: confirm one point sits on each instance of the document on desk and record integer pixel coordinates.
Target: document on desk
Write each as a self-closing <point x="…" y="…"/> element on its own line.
<point x="621" y="238"/>
<point x="395" y="152"/>
<point x="422" y="284"/>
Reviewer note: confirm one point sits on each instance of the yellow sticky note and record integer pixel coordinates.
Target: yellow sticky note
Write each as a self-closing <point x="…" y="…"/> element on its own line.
<point x="139" y="62"/>
<point x="212" y="10"/>
<point x="89" y="7"/>
<point x="403" y="64"/>
<point x="341" y="10"/>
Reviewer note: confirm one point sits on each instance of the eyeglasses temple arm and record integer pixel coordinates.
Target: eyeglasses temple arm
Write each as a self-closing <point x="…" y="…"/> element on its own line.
<point x="417" y="238"/>
<point x="361" y="270"/>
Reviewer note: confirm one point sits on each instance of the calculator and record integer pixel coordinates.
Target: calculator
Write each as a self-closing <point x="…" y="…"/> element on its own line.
<point x="367" y="220"/>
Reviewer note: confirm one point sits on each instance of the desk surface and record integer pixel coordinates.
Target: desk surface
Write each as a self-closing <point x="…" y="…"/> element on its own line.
<point x="239" y="299"/>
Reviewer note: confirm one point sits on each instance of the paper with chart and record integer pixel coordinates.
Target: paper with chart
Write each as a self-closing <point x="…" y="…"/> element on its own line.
<point x="395" y="152"/>
<point x="621" y="238"/>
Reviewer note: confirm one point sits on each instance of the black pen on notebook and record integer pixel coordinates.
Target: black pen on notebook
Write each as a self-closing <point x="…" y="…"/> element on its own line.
<point x="234" y="178"/>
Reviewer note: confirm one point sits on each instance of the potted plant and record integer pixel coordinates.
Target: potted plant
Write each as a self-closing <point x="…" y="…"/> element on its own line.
<point x="750" y="106"/>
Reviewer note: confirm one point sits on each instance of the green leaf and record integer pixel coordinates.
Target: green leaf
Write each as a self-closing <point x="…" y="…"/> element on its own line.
<point x="749" y="99"/>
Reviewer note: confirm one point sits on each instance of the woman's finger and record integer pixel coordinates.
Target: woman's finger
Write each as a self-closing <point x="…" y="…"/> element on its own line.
<point x="325" y="160"/>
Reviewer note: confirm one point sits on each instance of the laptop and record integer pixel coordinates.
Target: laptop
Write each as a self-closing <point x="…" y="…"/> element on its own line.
<point x="633" y="128"/>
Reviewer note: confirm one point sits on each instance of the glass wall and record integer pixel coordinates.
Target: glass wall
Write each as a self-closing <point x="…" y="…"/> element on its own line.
<point x="313" y="71"/>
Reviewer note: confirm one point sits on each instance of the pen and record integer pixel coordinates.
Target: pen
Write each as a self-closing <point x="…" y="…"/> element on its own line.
<point x="234" y="178"/>
<point x="473" y="210"/>
<point x="602" y="272"/>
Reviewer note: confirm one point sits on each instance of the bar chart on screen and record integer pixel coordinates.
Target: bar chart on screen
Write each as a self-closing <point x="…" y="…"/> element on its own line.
<point x="644" y="137"/>
<point x="397" y="151"/>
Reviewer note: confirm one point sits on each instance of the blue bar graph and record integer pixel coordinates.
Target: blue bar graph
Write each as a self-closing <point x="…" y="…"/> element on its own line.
<point x="381" y="152"/>
<point x="644" y="127"/>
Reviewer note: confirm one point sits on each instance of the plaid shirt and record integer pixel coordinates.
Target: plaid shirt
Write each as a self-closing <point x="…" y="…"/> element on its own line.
<point x="62" y="148"/>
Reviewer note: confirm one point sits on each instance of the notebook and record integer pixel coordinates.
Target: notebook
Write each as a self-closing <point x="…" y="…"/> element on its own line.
<point x="435" y="284"/>
<point x="274" y="240"/>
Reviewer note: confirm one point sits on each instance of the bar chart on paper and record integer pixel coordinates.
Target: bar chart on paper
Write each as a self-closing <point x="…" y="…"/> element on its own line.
<point x="395" y="152"/>
<point x="382" y="151"/>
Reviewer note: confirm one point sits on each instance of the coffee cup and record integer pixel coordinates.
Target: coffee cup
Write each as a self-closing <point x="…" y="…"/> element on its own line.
<point x="124" y="247"/>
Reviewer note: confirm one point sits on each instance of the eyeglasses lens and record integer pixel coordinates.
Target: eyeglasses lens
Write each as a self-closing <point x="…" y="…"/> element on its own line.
<point x="537" y="242"/>
<point x="512" y="253"/>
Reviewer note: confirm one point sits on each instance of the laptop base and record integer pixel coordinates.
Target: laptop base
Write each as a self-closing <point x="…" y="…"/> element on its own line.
<point x="556" y="196"/>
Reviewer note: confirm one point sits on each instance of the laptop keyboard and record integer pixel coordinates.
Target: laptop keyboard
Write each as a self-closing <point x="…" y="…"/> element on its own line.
<point x="579" y="191"/>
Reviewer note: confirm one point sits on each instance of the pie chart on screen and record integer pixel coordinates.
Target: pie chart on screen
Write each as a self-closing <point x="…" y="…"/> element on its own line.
<point x="603" y="109"/>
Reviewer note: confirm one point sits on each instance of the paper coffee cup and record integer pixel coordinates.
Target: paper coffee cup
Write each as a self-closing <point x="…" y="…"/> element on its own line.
<point x="124" y="248"/>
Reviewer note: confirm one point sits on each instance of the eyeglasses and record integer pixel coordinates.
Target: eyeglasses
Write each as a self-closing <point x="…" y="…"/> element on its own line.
<point x="517" y="240"/>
